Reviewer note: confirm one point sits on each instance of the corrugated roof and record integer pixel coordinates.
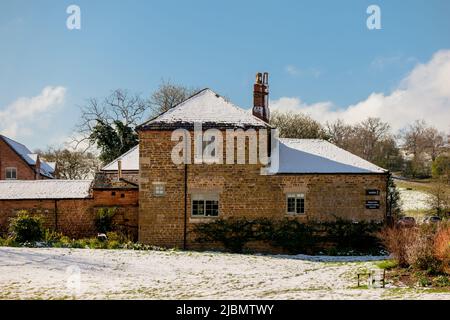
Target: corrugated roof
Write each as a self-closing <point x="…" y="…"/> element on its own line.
<point x="318" y="156"/>
<point x="44" y="189"/>
<point x="208" y="108"/>
<point x="130" y="161"/>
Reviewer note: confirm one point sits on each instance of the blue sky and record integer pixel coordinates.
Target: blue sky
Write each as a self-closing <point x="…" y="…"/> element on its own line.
<point x="319" y="54"/>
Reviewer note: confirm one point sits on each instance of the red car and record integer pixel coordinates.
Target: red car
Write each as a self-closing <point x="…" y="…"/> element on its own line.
<point x="406" y="222"/>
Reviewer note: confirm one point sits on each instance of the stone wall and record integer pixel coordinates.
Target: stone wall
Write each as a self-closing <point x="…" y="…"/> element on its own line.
<point x="243" y="192"/>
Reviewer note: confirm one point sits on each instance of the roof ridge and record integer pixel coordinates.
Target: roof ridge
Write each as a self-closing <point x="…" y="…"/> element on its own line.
<point x="178" y="110"/>
<point x="172" y="108"/>
<point x="5" y="138"/>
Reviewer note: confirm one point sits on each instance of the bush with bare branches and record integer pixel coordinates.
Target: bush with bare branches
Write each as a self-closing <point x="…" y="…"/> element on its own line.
<point x="396" y="240"/>
<point x="442" y="246"/>
<point x="425" y="247"/>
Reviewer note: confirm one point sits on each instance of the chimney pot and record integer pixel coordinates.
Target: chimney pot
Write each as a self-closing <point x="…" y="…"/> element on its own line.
<point x="261" y="96"/>
<point x="119" y="169"/>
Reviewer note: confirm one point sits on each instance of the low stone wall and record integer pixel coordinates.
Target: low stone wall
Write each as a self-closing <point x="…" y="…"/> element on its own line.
<point x="75" y="217"/>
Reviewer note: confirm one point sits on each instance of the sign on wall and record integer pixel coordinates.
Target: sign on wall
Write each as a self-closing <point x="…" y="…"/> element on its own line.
<point x="372" y="192"/>
<point x="372" y="204"/>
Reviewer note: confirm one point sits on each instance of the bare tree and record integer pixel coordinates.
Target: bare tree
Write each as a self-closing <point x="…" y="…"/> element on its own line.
<point x="414" y="137"/>
<point x="370" y="139"/>
<point x="71" y="165"/>
<point x="169" y="95"/>
<point x="118" y="106"/>
<point x="370" y="133"/>
<point x="297" y="125"/>
<point x="425" y="143"/>
<point x="340" y="133"/>
<point x="434" y="142"/>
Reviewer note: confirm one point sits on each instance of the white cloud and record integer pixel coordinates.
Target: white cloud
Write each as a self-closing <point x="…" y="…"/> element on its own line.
<point x="23" y="115"/>
<point x="383" y="62"/>
<point x="294" y="71"/>
<point x="423" y="94"/>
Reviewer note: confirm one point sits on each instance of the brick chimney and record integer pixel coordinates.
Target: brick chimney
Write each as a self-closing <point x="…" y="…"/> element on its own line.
<point x="261" y="97"/>
<point x="119" y="169"/>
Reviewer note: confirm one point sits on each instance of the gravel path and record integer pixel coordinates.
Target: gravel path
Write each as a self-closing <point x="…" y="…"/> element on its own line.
<point x="41" y="273"/>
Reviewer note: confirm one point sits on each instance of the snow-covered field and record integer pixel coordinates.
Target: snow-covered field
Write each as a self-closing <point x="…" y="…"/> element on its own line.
<point x="414" y="200"/>
<point x="28" y="273"/>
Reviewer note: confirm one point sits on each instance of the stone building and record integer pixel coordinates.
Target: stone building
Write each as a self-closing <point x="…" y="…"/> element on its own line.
<point x="308" y="180"/>
<point x="202" y="160"/>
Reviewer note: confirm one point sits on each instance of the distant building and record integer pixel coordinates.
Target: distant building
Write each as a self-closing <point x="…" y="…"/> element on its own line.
<point x="17" y="162"/>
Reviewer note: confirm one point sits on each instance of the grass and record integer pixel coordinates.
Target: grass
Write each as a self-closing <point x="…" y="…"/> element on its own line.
<point x="387" y="264"/>
<point x="423" y="185"/>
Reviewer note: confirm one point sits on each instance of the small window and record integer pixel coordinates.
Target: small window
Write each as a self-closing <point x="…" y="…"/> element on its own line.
<point x="122" y="195"/>
<point x="159" y="189"/>
<point x="113" y="193"/>
<point x="295" y="203"/>
<point x="11" y="174"/>
<point x="205" y="205"/>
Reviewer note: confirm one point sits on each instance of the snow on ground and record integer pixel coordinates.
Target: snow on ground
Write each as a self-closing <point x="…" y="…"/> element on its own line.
<point x="414" y="200"/>
<point x="44" y="273"/>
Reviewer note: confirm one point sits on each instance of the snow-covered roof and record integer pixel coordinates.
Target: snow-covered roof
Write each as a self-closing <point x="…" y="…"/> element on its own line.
<point x="318" y="156"/>
<point x="130" y="161"/>
<point x="29" y="157"/>
<point x="208" y="108"/>
<point x="295" y="156"/>
<point x="47" y="169"/>
<point x="44" y="189"/>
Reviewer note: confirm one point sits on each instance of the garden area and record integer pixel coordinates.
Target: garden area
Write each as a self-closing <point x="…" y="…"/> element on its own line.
<point x="415" y="258"/>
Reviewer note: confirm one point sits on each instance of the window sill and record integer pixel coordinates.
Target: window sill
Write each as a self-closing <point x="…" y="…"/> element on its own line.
<point x="202" y="219"/>
<point x="295" y="214"/>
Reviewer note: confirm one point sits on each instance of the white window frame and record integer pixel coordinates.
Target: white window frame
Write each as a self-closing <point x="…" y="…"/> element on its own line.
<point x="11" y="169"/>
<point x="204" y="197"/>
<point x="295" y="195"/>
<point x="159" y="189"/>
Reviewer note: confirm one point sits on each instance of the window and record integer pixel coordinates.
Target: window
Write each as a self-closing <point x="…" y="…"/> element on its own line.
<point x="295" y="203"/>
<point x="159" y="189"/>
<point x="205" y="205"/>
<point x="11" y="174"/>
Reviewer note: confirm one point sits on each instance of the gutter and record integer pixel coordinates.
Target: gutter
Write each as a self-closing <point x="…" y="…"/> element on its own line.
<point x="185" y="208"/>
<point x="56" y="215"/>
